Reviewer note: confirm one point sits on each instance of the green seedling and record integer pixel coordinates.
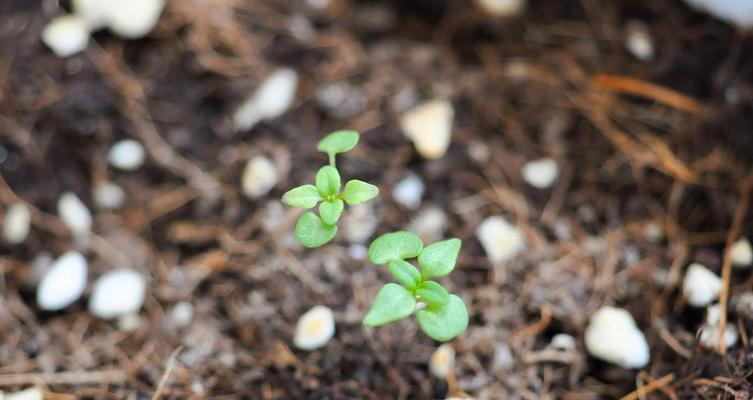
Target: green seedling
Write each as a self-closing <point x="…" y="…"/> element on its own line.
<point x="441" y="315"/>
<point x="314" y="230"/>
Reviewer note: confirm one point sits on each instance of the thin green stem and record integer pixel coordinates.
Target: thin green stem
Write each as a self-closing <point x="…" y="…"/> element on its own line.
<point x="332" y="160"/>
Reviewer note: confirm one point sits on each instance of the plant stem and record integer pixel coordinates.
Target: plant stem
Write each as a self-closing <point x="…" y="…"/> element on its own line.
<point x="332" y="160"/>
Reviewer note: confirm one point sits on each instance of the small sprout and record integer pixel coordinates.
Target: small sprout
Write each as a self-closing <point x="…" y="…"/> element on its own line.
<point x="444" y="315"/>
<point x="312" y="230"/>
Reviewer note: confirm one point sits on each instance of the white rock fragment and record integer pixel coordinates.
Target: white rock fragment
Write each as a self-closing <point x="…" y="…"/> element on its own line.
<point x="17" y="223"/>
<point x="736" y="12"/>
<point x="741" y="253"/>
<point x="563" y="342"/>
<point x="75" y="215"/>
<point x="127" y="155"/>
<point x="133" y="19"/>
<point x="94" y="12"/>
<point x="500" y="239"/>
<point x="503" y="8"/>
<point x="409" y="191"/>
<point x="359" y="223"/>
<point x="357" y="251"/>
<point x="540" y="173"/>
<point x="273" y="97"/>
<point x="442" y="361"/>
<point x="318" y="4"/>
<point x="129" y="322"/>
<point x="429" y="224"/>
<point x="63" y="283"/>
<point x="612" y="336"/>
<point x="429" y="126"/>
<point x="117" y="293"/>
<point x="314" y="329"/>
<point x="180" y="315"/>
<point x="710" y="336"/>
<point x="66" y="35"/>
<point x="638" y="41"/>
<point x="259" y="177"/>
<point x="26" y="394"/>
<point x="108" y="196"/>
<point x="701" y="286"/>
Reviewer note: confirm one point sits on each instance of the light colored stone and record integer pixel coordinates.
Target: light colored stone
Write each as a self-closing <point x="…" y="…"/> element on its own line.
<point x="180" y="315"/>
<point x="273" y="98"/>
<point x="315" y="328"/>
<point x="442" y="362"/>
<point x="710" y="336"/>
<point x="736" y="12"/>
<point x="66" y="35"/>
<point x="26" y="394"/>
<point x="701" y="286"/>
<point x="94" y="12"/>
<point x="409" y="191"/>
<point x="638" y="41"/>
<point x="133" y="19"/>
<point x="563" y="342"/>
<point x="129" y="322"/>
<point x="503" y="8"/>
<point x="127" y="154"/>
<point x="63" y="283"/>
<point x="357" y="251"/>
<point x="108" y="195"/>
<point x="259" y="177"/>
<point x="501" y="240"/>
<point x="612" y="336"/>
<point x="359" y="223"/>
<point x="75" y="215"/>
<point x="429" y="126"/>
<point x="17" y="223"/>
<point x="540" y="173"/>
<point x="741" y="253"/>
<point x="117" y="293"/>
<point x="429" y="224"/>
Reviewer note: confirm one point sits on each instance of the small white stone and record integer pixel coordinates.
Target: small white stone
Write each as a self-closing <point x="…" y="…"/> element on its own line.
<point x="117" y="293"/>
<point x="359" y="223"/>
<point x="273" y="97"/>
<point x="742" y="253"/>
<point x="318" y="4"/>
<point x="710" y="337"/>
<point x="429" y="224"/>
<point x="129" y="322"/>
<point x="442" y="361"/>
<point x="127" y="155"/>
<point x="314" y="329"/>
<point x="133" y="19"/>
<point x="26" y="394"/>
<point x="429" y="126"/>
<point x="638" y="41"/>
<point x="66" y="35"/>
<point x="108" y="196"/>
<point x="540" y="173"/>
<point x="612" y="336"/>
<point x="94" y="12"/>
<point x="63" y="283"/>
<point x="503" y="8"/>
<point x="357" y="251"/>
<point x="180" y="315"/>
<point x="500" y="239"/>
<point x="701" y="286"/>
<point x="563" y="342"/>
<point x="409" y="191"/>
<point x="75" y="215"/>
<point x="259" y="177"/>
<point x="737" y="12"/>
<point x="17" y="223"/>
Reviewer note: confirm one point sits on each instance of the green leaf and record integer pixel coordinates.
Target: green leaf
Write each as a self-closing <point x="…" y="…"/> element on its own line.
<point x="338" y="142"/>
<point x="433" y="294"/>
<point x="392" y="303"/>
<point x="330" y="211"/>
<point x="357" y="192"/>
<point x="328" y="181"/>
<point x="438" y="259"/>
<point x="305" y="196"/>
<point x="444" y="322"/>
<point x="311" y="231"/>
<point x="405" y="273"/>
<point x="394" y="246"/>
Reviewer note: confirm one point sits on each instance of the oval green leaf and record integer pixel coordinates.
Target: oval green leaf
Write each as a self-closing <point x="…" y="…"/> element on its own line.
<point x="405" y="273"/>
<point x="305" y="196"/>
<point x="357" y="192"/>
<point x="312" y="232"/>
<point x="338" y="142"/>
<point x="433" y="294"/>
<point x="445" y="322"/>
<point x="328" y="181"/>
<point x="330" y="211"/>
<point x="395" y="246"/>
<point x="393" y="302"/>
<point x="438" y="259"/>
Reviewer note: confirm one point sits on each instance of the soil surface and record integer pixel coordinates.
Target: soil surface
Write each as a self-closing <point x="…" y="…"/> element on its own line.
<point x="655" y="160"/>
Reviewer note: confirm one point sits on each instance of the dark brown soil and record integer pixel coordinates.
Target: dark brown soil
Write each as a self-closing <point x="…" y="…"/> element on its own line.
<point x="556" y="81"/>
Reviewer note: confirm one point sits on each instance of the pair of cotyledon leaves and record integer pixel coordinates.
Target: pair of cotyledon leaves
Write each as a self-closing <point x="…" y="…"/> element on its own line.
<point x="313" y="230"/>
<point x="445" y="315"/>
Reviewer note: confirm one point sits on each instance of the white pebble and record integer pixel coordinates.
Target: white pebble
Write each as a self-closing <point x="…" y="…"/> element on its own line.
<point x="273" y="97"/>
<point x="117" y="293"/>
<point x="563" y="342"/>
<point x="129" y="322"/>
<point x="429" y="224"/>
<point x="612" y="336"/>
<point x="133" y="19"/>
<point x="359" y="223"/>
<point x="259" y="177"/>
<point x="75" y="215"/>
<point x="94" y="12"/>
<point x="737" y="12"/>
<point x="701" y="286"/>
<point x="127" y="155"/>
<point x="180" y="315"/>
<point x="318" y="4"/>
<point x="742" y="253"/>
<point x="710" y="337"/>
<point x="442" y="361"/>
<point x="409" y="191"/>
<point x="314" y="329"/>
<point x="638" y="41"/>
<point x="66" y="35"/>
<point x="357" y="251"/>
<point x="540" y="173"/>
<point x="503" y="8"/>
<point x="429" y="126"/>
<point x="500" y="239"/>
<point x="108" y="196"/>
<point x="63" y="283"/>
<point x="17" y="223"/>
<point x="26" y="394"/>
